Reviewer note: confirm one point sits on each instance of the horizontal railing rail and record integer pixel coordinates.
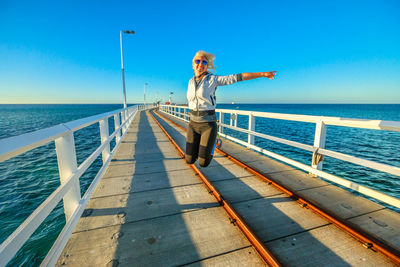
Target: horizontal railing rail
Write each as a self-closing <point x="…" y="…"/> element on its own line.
<point x="318" y="149"/>
<point x="69" y="190"/>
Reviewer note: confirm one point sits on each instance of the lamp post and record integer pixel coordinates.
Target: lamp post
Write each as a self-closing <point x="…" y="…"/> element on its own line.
<point x="122" y="63"/>
<point x="144" y="95"/>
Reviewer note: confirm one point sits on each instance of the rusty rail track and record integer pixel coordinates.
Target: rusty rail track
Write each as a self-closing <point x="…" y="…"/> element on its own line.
<point x="367" y="240"/>
<point x="235" y="218"/>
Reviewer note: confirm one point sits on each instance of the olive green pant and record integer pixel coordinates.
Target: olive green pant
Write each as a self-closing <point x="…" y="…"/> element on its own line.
<point x="200" y="142"/>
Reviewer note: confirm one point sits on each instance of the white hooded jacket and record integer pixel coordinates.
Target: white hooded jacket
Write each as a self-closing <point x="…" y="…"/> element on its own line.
<point x="201" y="96"/>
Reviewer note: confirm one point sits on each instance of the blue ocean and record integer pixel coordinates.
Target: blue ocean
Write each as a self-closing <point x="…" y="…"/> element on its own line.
<point x="27" y="180"/>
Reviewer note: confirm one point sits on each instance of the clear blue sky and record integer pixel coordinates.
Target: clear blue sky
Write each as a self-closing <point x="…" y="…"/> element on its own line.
<point x="324" y="51"/>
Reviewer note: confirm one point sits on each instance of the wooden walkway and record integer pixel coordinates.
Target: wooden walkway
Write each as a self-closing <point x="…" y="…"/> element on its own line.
<point x="150" y="209"/>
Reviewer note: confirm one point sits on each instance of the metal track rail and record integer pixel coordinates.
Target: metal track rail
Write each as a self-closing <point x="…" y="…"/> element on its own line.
<point x="234" y="216"/>
<point x="365" y="238"/>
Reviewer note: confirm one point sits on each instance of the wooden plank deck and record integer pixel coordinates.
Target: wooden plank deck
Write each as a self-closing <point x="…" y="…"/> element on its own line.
<point x="150" y="209"/>
<point x="284" y="222"/>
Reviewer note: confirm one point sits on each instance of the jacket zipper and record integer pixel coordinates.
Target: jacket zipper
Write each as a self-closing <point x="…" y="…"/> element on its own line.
<point x="195" y="93"/>
<point x="195" y="90"/>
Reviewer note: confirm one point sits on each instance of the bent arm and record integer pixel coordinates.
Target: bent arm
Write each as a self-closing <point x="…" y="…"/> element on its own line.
<point x="254" y="75"/>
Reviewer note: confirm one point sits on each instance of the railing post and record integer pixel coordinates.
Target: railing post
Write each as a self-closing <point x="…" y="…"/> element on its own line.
<point x="126" y="114"/>
<point x="125" y="120"/>
<point x="67" y="165"/>
<point x="129" y="117"/>
<point x="319" y="142"/>
<point x="235" y="122"/>
<point x="221" y="121"/>
<point x="122" y="122"/>
<point x="252" y="127"/>
<point x="117" y="124"/>
<point x="104" y="133"/>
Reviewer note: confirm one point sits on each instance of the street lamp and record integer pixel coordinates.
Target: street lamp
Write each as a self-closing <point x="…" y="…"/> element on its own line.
<point x="144" y="95"/>
<point x="122" y="63"/>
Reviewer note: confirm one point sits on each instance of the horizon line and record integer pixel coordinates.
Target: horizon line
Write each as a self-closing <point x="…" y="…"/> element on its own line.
<point x="235" y="103"/>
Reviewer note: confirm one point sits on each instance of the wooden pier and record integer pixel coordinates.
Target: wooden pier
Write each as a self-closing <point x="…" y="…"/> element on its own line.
<point x="151" y="209"/>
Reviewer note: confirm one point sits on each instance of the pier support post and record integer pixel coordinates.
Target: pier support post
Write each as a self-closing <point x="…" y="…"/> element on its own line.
<point x="319" y="142"/>
<point x="67" y="165"/>
<point x="252" y="127"/>
<point x="104" y="133"/>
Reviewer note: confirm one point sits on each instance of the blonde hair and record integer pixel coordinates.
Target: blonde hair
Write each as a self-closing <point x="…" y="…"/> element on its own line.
<point x="210" y="58"/>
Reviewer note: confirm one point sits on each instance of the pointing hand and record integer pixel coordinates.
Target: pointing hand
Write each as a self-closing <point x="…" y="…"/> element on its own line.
<point x="270" y="74"/>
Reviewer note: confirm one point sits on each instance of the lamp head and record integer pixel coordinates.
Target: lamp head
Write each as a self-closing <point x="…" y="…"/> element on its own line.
<point x="129" y="32"/>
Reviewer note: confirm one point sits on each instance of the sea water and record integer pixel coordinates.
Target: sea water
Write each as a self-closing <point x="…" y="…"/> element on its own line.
<point x="27" y="180"/>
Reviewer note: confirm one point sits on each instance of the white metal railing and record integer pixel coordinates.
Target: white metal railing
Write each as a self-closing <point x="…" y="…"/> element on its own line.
<point x="318" y="149"/>
<point x="69" y="190"/>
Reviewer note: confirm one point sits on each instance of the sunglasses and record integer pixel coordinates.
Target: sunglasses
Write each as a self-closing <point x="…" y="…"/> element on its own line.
<point x="204" y="62"/>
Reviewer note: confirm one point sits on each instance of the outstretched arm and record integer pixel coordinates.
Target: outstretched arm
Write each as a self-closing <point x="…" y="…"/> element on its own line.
<point x="233" y="78"/>
<point x="248" y="76"/>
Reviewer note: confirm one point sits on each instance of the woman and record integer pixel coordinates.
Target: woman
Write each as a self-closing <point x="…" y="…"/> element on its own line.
<point x="202" y="130"/>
